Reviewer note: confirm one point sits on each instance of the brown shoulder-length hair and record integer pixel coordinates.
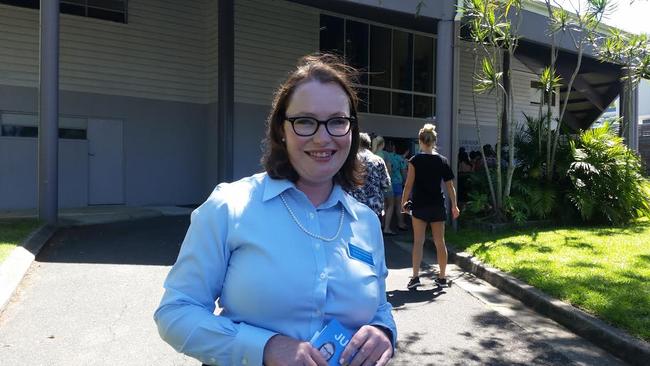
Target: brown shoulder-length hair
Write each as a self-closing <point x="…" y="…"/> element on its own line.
<point x="324" y="68"/>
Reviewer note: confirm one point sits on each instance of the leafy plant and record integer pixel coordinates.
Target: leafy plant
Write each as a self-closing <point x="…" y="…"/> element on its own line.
<point x="607" y="183"/>
<point x="477" y="203"/>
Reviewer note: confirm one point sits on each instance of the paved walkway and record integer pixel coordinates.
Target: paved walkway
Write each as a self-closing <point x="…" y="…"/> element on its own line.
<point x="89" y="298"/>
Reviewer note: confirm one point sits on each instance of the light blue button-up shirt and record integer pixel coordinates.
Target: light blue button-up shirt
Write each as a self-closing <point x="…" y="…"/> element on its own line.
<point x="244" y="249"/>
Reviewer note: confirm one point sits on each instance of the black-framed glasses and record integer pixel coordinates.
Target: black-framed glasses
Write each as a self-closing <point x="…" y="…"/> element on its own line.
<point x="335" y="126"/>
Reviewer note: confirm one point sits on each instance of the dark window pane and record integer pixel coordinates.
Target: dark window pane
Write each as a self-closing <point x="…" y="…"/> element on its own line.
<point x="78" y="2"/>
<point x="379" y="101"/>
<point x="422" y="106"/>
<point x="32" y="131"/>
<point x="72" y="9"/>
<point x="402" y="104"/>
<point x="362" y="94"/>
<point x="107" y="15"/>
<point x="113" y="10"/>
<point x="116" y="5"/>
<point x="33" y="4"/>
<point x="402" y="60"/>
<point x="331" y="35"/>
<point x="356" y="48"/>
<point x="423" y="64"/>
<point x="380" y="56"/>
<point x="72" y="133"/>
<point x="19" y="131"/>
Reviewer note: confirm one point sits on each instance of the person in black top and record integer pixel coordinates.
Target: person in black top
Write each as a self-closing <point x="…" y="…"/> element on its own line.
<point x="426" y="171"/>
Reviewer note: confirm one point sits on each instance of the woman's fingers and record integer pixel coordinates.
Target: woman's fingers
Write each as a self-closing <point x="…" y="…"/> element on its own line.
<point x="385" y="357"/>
<point x="366" y="347"/>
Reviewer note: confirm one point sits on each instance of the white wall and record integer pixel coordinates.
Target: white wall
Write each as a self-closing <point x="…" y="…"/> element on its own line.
<point x="270" y="36"/>
<point x="486" y="111"/>
<point x="159" y="54"/>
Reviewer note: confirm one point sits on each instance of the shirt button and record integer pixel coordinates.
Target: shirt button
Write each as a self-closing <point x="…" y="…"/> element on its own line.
<point x="244" y="361"/>
<point x="317" y="245"/>
<point x="322" y="276"/>
<point x="311" y="215"/>
<point x="317" y="312"/>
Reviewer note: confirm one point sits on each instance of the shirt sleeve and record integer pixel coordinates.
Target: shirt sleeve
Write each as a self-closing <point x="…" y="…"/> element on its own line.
<point x="185" y="317"/>
<point x="447" y="173"/>
<point x="385" y="177"/>
<point x="384" y="317"/>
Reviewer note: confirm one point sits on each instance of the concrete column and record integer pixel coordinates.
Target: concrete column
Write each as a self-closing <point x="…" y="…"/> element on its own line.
<point x="48" y="148"/>
<point x="634" y="120"/>
<point x="226" y="91"/>
<point x="444" y="87"/>
<point x="630" y="115"/>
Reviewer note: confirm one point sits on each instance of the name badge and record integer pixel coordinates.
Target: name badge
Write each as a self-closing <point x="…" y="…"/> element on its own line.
<point x="360" y="254"/>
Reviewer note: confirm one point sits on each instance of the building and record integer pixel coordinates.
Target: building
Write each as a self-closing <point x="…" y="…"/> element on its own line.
<point x="141" y="119"/>
<point x="644" y="102"/>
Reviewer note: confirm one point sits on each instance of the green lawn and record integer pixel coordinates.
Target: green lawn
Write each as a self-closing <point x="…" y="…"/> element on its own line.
<point x="12" y="233"/>
<point x="604" y="271"/>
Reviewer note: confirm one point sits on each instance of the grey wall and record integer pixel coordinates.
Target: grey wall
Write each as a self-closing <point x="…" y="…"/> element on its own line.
<point x="210" y="141"/>
<point x="164" y="149"/>
<point x="250" y="120"/>
<point x="18" y="173"/>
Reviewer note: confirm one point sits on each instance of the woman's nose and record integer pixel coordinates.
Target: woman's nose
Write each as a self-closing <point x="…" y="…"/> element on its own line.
<point x="321" y="134"/>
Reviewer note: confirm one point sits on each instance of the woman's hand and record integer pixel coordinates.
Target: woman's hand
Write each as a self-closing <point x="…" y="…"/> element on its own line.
<point x="282" y="350"/>
<point x="455" y="212"/>
<point x="371" y="345"/>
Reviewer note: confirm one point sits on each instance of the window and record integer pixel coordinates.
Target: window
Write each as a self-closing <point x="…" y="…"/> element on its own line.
<point x="113" y="10"/>
<point x="646" y="121"/>
<point x="26" y="125"/>
<point x="397" y="67"/>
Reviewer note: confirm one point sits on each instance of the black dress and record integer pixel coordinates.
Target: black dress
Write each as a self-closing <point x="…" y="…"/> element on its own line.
<point x="430" y="171"/>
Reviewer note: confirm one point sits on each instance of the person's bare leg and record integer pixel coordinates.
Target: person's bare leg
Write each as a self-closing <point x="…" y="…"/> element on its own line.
<point x="388" y="218"/>
<point x="419" y="229"/>
<point x="438" y="229"/>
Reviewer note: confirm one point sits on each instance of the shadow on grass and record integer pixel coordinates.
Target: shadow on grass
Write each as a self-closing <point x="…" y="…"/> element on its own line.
<point x="644" y="258"/>
<point x="584" y="264"/>
<point x="578" y="245"/>
<point x="633" y="228"/>
<point x="621" y="299"/>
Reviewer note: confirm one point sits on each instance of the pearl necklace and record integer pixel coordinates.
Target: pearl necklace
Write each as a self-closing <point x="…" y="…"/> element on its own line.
<point x="295" y="219"/>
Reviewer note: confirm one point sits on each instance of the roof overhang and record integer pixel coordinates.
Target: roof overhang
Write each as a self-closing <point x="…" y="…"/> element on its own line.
<point x="403" y="13"/>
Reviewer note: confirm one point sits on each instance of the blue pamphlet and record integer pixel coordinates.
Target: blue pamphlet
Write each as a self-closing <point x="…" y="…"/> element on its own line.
<point x="331" y="341"/>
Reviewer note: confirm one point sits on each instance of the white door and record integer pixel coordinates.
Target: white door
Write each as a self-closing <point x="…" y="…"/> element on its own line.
<point x="106" y="162"/>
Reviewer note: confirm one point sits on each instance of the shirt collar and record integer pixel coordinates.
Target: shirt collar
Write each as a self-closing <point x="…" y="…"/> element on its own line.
<point x="274" y="187"/>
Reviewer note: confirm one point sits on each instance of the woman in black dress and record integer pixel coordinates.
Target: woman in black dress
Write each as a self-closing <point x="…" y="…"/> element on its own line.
<point x="426" y="171"/>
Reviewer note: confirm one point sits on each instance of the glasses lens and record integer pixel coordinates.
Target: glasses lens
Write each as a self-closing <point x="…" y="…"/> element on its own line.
<point x="338" y="126"/>
<point x="305" y="126"/>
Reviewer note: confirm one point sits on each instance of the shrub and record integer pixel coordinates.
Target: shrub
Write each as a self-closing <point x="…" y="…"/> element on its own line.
<point x="607" y="183"/>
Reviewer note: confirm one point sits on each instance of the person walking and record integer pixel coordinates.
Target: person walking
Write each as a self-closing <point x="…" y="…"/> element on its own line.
<point x="398" y="169"/>
<point x="378" y="145"/>
<point x="376" y="180"/>
<point x="426" y="171"/>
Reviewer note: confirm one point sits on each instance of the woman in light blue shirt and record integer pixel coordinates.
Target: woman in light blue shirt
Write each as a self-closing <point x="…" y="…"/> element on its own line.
<point x="287" y="250"/>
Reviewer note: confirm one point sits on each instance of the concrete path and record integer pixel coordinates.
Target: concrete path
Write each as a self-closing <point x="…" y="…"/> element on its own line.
<point x="89" y="298"/>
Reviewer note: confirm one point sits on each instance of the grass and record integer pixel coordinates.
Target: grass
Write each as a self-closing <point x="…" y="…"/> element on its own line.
<point x="602" y="270"/>
<point x="12" y="234"/>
